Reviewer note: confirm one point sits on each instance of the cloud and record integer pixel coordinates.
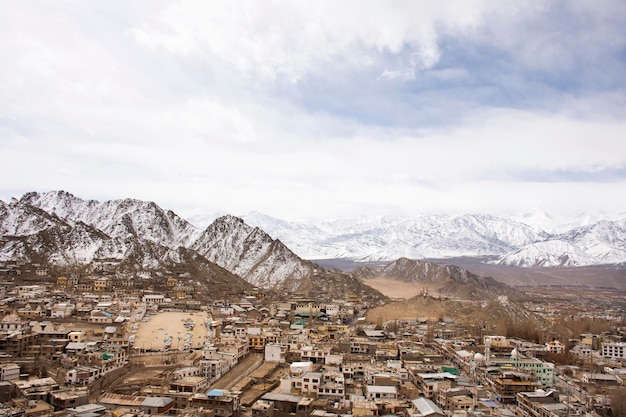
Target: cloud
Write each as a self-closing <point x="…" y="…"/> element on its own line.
<point x="316" y="107"/>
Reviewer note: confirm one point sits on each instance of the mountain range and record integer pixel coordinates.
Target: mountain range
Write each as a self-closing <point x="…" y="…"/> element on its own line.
<point x="532" y="240"/>
<point x="60" y="228"/>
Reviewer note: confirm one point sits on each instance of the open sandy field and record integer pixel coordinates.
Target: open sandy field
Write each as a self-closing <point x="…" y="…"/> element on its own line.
<point x="397" y="289"/>
<point x="151" y="335"/>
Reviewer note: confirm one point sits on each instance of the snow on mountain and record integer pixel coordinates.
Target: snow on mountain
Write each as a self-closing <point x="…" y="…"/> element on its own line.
<point x="202" y="221"/>
<point x="552" y="224"/>
<point x="577" y="239"/>
<point x="23" y="219"/>
<point x="386" y="238"/>
<point x="603" y="242"/>
<point x="250" y="253"/>
<point x="61" y="229"/>
<point x="118" y="218"/>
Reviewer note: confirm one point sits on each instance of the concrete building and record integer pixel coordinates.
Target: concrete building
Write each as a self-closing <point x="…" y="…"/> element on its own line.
<point x="614" y="350"/>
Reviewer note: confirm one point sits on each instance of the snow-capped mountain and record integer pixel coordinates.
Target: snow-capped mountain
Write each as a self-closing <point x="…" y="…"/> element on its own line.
<point x="57" y="228"/>
<point x="60" y="229"/>
<point x="603" y="242"/>
<point x="251" y="253"/>
<point x="532" y="239"/>
<point x="387" y="238"/>
<point x="118" y="218"/>
<point x="546" y="222"/>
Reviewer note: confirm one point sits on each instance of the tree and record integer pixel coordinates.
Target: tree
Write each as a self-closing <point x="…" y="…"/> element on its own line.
<point x="618" y="403"/>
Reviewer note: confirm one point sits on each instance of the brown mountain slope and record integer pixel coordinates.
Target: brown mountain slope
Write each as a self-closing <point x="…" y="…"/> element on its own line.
<point x="448" y="280"/>
<point x="467" y="313"/>
<point x="330" y="285"/>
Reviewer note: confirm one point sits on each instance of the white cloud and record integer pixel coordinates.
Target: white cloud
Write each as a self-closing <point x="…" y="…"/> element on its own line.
<point x="286" y="39"/>
<point x="276" y="107"/>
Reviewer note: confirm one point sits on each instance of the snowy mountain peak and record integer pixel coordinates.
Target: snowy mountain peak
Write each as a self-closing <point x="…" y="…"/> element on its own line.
<point x="250" y="253"/>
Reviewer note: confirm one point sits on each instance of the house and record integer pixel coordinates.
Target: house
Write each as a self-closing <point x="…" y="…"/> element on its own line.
<point x="275" y="353"/>
<point x="431" y="383"/>
<point x="101" y="317"/>
<point x="83" y="375"/>
<point x="70" y="397"/>
<point x="423" y="407"/>
<point x="381" y="392"/>
<point x="224" y="403"/>
<point x="602" y="379"/>
<point x="555" y="347"/>
<point x="540" y="404"/>
<point x="149" y="405"/>
<point x="9" y="371"/>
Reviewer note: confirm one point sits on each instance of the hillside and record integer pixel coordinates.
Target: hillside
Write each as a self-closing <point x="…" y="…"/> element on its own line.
<point x="490" y="314"/>
<point x="67" y="233"/>
<point x="251" y="253"/>
<point x="449" y="280"/>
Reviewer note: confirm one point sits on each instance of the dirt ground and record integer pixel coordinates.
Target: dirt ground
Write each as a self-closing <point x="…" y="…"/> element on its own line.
<point x="397" y="289"/>
<point x="151" y="335"/>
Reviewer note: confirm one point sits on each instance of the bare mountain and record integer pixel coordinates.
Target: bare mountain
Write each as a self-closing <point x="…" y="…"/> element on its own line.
<point x="448" y="280"/>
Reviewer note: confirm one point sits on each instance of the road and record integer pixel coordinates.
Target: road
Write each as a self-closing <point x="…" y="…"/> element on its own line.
<point x="243" y="368"/>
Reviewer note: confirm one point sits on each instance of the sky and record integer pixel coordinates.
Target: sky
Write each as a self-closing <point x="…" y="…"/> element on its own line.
<point x="317" y="109"/>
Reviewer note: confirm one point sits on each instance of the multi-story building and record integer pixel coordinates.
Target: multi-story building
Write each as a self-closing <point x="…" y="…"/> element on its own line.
<point x="614" y="350"/>
<point x="222" y="403"/>
<point x="314" y="354"/>
<point x="82" y="375"/>
<point x="431" y="383"/>
<point x="539" y="404"/>
<point x="542" y="371"/>
<point x="508" y="385"/>
<point x="9" y="371"/>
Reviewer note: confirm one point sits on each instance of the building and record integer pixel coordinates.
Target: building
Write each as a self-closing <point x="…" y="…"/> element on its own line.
<point x="381" y="392"/>
<point x="540" y="404"/>
<point x="555" y="347"/>
<point x="542" y="371"/>
<point x="614" y="350"/>
<point x="508" y="385"/>
<point x="275" y="353"/>
<point x="423" y="407"/>
<point x="223" y="403"/>
<point x="431" y="383"/>
<point x="149" y="405"/>
<point x="9" y="371"/>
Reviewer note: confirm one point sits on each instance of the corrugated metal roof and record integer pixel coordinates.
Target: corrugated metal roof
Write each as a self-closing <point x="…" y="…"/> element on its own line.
<point x="426" y="407"/>
<point x="157" y="401"/>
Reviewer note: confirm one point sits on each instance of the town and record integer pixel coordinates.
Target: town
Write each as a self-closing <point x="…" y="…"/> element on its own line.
<point x="166" y="344"/>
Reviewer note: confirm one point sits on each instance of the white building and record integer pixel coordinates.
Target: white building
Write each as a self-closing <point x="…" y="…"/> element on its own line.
<point x="62" y="310"/>
<point x="154" y="299"/>
<point x="83" y="375"/>
<point x="9" y="372"/>
<point x="378" y="392"/>
<point x="614" y="350"/>
<point x="274" y="353"/>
